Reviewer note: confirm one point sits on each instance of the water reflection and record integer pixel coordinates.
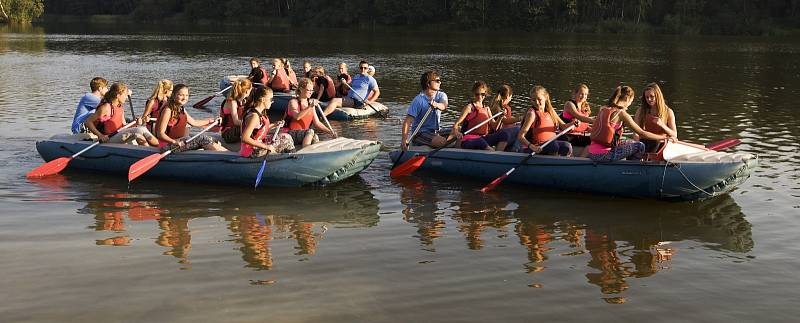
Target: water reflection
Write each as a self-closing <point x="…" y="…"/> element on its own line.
<point x="254" y="219"/>
<point x="618" y="239"/>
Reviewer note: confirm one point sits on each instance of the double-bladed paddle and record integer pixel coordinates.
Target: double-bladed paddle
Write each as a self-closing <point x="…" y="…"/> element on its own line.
<point x="142" y="166"/>
<point x="415" y="162"/>
<point x="56" y="165"/>
<point x="497" y="181"/>
<point x="264" y="163"/>
<point x="201" y="103"/>
<point x="364" y="100"/>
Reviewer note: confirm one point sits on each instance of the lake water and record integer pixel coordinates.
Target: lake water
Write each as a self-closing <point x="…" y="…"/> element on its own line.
<point x="86" y="247"/>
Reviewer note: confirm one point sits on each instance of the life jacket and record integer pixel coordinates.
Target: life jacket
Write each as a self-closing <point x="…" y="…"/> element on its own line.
<point x="651" y="124"/>
<point x="583" y="127"/>
<point x="108" y="125"/>
<point x="280" y="82"/>
<point x="343" y="90"/>
<point x="151" y="125"/>
<point x="603" y="132"/>
<point x="258" y="134"/>
<point x="543" y="128"/>
<point x="292" y="76"/>
<point x="227" y="118"/>
<point x="475" y="117"/>
<point x="329" y="92"/>
<point x="301" y="124"/>
<point x="176" y="128"/>
<point x="264" y="76"/>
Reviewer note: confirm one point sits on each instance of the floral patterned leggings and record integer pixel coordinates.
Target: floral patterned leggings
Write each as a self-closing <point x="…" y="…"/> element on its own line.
<point x="629" y="149"/>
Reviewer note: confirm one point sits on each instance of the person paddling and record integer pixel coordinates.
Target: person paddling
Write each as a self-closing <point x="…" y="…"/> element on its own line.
<point x="109" y="117"/>
<point x="608" y="127"/>
<point x="541" y="124"/>
<point x="255" y="142"/>
<point x="431" y="97"/>
<point x="655" y="116"/>
<point x="341" y="87"/>
<point x="158" y="99"/>
<point x="473" y="114"/>
<point x="364" y="90"/>
<point x="172" y="121"/>
<point x="88" y="103"/>
<point x="302" y="115"/>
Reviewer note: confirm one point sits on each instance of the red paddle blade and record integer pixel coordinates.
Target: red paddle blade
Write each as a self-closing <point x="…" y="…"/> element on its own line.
<point x="493" y="184"/>
<point x="408" y="167"/>
<point x="201" y="103"/>
<point x="724" y="144"/>
<point x="142" y="166"/>
<point x="50" y="168"/>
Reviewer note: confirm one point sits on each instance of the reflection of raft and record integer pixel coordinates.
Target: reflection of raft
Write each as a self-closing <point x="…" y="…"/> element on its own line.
<point x="281" y="100"/>
<point x="322" y="163"/>
<point x="692" y="176"/>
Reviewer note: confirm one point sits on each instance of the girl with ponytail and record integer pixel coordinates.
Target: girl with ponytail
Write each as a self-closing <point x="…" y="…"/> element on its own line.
<point x="608" y="127"/>
<point x="158" y="99"/>
<point x="232" y="111"/>
<point x="508" y="124"/>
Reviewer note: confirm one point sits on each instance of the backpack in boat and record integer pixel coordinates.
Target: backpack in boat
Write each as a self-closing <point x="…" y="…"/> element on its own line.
<point x="602" y="131"/>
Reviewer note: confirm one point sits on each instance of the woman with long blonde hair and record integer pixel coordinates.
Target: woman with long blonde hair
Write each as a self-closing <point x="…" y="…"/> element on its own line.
<point x="578" y="108"/>
<point x="541" y="124"/>
<point x="161" y="93"/>
<point x="655" y="116"/>
<point x="608" y="127"/>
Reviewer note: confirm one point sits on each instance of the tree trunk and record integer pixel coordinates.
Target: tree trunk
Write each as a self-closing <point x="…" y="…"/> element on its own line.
<point x="3" y="12"/>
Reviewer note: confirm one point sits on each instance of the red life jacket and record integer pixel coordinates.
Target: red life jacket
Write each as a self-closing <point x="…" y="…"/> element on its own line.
<point x="651" y="124"/>
<point x="543" y="128"/>
<point x="342" y="90"/>
<point x="305" y="122"/>
<point x="176" y="128"/>
<point x="258" y="134"/>
<point x="292" y="75"/>
<point x="330" y="87"/>
<point x="110" y="124"/>
<point x="153" y="113"/>
<point x="475" y="117"/>
<point x="227" y="118"/>
<point x="264" y="76"/>
<point x="583" y="126"/>
<point x="603" y="132"/>
<point x="280" y="82"/>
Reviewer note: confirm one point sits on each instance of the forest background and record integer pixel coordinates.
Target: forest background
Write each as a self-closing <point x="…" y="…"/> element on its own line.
<point x="721" y="17"/>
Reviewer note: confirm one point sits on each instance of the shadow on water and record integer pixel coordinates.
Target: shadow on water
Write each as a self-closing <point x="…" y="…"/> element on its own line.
<point x="254" y="218"/>
<point x="621" y="238"/>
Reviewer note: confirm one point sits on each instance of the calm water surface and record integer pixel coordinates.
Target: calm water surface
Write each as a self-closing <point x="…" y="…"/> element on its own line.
<point x="86" y="247"/>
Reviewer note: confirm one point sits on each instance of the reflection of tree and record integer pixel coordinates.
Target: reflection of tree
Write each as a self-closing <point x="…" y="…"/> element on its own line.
<point x="175" y="233"/>
<point x="254" y="237"/>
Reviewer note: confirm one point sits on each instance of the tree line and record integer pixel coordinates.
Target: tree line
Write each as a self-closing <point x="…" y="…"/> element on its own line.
<point x="754" y="17"/>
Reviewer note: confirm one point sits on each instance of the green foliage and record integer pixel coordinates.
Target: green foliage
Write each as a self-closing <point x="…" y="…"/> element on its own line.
<point x="22" y="11"/>
<point x="621" y="16"/>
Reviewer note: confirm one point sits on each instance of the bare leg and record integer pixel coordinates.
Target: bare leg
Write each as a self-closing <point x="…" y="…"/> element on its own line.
<point x="309" y="138"/>
<point x="214" y="146"/>
<point x="332" y="105"/>
<point x="438" y="141"/>
<point x="501" y="146"/>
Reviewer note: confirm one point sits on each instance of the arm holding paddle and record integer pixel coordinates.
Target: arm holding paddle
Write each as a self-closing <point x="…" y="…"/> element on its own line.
<point x="249" y="125"/>
<point x="103" y="110"/>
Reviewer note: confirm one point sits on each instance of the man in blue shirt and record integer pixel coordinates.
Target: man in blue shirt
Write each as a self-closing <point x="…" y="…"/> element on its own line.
<point x="88" y="103"/>
<point x="363" y="90"/>
<point x="432" y="98"/>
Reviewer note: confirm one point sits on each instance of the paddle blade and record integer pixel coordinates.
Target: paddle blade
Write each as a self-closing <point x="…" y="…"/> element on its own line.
<point x="142" y="166"/>
<point x="260" y="173"/>
<point x="724" y="144"/>
<point x="494" y="183"/>
<point x="50" y="168"/>
<point x="201" y="103"/>
<point x="408" y="167"/>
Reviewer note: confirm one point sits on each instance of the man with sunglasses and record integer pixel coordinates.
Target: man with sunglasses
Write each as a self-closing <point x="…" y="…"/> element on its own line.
<point x="363" y="90"/>
<point x="418" y="116"/>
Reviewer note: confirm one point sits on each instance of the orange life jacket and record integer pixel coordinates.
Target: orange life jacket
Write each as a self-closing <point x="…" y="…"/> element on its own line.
<point x="258" y="134"/>
<point x="651" y="124"/>
<point x="108" y="125"/>
<point x="543" y="128"/>
<point x="280" y="82"/>
<point x="227" y="118"/>
<point x="475" y="117"/>
<point x="301" y="124"/>
<point x="603" y="132"/>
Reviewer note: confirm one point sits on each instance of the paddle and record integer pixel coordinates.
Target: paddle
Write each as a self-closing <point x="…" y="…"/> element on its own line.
<point x="362" y="99"/>
<point x="56" y="165"/>
<point x="201" y="103"/>
<point x="413" y="134"/>
<point x="264" y="163"/>
<point x="142" y="166"/>
<point x="724" y="144"/>
<point x="415" y="162"/>
<point x="321" y="112"/>
<point x="130" y="103"/>
<point x="497" y="181"/>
